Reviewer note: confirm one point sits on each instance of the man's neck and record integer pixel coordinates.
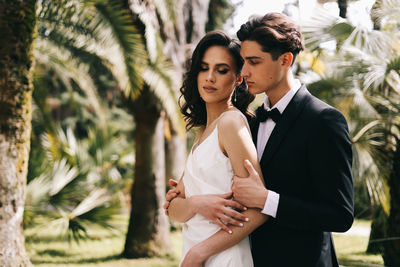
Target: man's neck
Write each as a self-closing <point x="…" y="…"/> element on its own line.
<point x="281" y="89"/>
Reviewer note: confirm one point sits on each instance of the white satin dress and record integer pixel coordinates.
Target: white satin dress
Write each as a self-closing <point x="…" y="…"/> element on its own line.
<point x="209" y="171"/>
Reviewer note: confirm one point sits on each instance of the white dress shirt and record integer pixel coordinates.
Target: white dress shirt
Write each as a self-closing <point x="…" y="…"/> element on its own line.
<point x="264" y="132"/>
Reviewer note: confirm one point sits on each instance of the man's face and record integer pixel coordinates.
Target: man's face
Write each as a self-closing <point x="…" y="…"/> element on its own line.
<point x="261" y="72"/>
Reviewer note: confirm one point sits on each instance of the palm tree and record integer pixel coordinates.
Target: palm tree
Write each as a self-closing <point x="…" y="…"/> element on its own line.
<point x="18" y="27"/>
<point x="370" y="100"/>
<point x="74" y="34"/>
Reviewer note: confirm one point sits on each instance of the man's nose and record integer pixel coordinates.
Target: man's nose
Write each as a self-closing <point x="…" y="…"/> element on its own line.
<point x="245" y="71"/>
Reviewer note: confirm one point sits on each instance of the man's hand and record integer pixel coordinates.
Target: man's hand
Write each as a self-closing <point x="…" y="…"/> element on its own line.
<point x="171" y="194"/>
<point x="192" y="259"/>
<point x="219" y="209"/>
<point x="250" y="191"/>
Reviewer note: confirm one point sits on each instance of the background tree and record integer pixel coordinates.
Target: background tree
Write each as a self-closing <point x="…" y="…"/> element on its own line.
<point x="79" y="146"/>
<point x="18" y="28"/>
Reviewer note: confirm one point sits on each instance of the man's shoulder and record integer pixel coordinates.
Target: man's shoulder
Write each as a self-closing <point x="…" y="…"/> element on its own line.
<point x="318" y="106"/>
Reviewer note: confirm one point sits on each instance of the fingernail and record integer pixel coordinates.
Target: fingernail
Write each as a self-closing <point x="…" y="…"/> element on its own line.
<point x="247" y="219"/>
<point x="241" y="224"/>
<point x="245" y="208"/>
<point x="230" y="232"/>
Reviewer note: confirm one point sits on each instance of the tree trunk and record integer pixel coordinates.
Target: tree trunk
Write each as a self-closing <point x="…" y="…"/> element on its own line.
<point x="17" y="28"/>
<point x="342" y="8"/>
<point x="391" y="255"/>
<point x="176" y="156"/>
<point x="378" y="232"/>
<point x="148" y="231"/>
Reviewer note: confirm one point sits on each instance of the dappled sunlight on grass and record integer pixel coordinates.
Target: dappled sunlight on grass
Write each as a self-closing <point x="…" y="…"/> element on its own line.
<point x="103" y="248"/>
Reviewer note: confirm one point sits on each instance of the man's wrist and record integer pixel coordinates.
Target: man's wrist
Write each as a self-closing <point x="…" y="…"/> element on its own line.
<point x="271" y="204"/>
<point x="262" y="199"/>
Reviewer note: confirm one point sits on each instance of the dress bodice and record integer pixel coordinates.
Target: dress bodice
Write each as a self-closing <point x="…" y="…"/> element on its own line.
<point x="209" y="171"/>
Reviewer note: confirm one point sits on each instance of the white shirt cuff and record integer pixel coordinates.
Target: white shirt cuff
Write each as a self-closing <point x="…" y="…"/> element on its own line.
<point x="271" y="204"/>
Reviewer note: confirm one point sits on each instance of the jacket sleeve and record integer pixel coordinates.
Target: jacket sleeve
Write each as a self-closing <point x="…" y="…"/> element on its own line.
<point x="329" y="159"/>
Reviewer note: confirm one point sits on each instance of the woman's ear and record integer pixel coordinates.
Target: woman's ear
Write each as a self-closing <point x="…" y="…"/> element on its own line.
<point x="239" y="80"/>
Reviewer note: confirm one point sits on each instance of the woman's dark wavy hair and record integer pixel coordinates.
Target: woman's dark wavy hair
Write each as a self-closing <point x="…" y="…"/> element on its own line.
<point x="275" y="32"/>
<point x="193" y="107"/>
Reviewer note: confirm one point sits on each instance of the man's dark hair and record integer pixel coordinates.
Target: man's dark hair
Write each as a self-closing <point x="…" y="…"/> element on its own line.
<point x="275" y="32"/>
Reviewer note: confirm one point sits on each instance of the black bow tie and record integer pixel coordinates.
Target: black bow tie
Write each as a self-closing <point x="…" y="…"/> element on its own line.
<point x="262" y="114"/>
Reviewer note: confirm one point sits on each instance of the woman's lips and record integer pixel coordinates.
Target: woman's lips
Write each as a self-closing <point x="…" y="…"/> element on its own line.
<point x="209" y="89"/>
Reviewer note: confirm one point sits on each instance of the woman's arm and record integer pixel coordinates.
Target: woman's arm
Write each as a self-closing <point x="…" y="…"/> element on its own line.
<point x="180" y="208"/>
<point x="236" y="143"/>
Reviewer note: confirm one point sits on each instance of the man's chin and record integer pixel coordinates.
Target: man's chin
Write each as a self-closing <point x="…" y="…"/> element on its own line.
<point x="254" y="90"/>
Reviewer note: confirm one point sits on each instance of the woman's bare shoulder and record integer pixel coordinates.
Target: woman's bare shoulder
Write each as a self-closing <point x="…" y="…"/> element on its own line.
<point x="232" y="120"/>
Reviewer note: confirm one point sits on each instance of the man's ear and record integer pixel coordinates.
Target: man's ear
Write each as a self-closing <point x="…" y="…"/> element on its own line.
<point x="239" y="80"/>
<point x="286" y="60"/>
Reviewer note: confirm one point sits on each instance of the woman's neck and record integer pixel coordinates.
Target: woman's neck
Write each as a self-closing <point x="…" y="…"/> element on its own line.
<point x="214" y="110"/>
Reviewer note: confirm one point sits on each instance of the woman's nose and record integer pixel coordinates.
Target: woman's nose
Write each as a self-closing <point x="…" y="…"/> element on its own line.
<point x="210" y="76"/>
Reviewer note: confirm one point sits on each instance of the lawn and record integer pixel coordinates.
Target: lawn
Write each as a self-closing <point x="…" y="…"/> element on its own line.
<point x="104" y="248"/>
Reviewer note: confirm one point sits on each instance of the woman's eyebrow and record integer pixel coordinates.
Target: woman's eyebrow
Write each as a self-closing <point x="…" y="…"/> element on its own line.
<point x="218" y="65"/>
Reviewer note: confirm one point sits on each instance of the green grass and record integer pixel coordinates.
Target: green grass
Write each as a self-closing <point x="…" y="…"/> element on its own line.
<point x="104" y="249"/>
<point x="101" y="249"/>
<point x="351" y="249"/>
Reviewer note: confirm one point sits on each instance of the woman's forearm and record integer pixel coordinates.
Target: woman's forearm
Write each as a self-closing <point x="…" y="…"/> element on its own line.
<point x="181" y="209"/>
<point x="221" y="240"/>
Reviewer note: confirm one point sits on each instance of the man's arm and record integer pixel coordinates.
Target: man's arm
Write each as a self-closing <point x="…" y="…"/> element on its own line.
<point x="329" y="158"/>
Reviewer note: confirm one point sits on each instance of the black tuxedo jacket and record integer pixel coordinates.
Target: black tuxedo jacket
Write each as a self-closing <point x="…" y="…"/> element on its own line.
<point x="307" y="160"/>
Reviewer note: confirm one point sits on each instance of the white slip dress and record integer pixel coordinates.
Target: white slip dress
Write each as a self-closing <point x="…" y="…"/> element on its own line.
<point x="209" y="171"/>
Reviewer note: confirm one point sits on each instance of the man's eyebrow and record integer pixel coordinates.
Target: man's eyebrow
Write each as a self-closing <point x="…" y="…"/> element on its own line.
<point x="252" y="57"/>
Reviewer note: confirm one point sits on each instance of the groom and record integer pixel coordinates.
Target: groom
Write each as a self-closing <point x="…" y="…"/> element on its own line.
<point x="305" y="155"/>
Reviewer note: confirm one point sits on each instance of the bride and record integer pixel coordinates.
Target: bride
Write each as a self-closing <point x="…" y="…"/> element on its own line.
<point x="216" y="101"/>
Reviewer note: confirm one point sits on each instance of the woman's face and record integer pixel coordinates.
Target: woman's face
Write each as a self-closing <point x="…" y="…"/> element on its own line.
<point x="217" y="77"/>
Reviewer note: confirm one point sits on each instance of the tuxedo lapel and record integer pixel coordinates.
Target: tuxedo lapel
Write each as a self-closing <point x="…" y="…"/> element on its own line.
<point x="289" y="116"/>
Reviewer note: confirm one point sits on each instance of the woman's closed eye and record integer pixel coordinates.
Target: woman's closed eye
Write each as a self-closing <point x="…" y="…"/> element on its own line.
<point x="223" y="71"/>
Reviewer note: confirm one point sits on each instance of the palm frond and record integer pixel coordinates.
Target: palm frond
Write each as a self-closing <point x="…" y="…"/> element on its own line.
<point x="371" y="41"/>
<point x="161" y="85"/>
<point x="389" y="9"/>
<point x="129" y="42"/>
<point x="69" y="69"/>
<point x="324" y="27"/>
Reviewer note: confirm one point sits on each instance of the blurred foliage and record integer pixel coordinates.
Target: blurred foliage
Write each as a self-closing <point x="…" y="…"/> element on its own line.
<point x="219" y="11"/>
<point x="358" y="72"/>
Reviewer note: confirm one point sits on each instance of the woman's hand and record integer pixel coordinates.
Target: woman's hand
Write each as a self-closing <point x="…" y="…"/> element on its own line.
<point x="219" y="209"/>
